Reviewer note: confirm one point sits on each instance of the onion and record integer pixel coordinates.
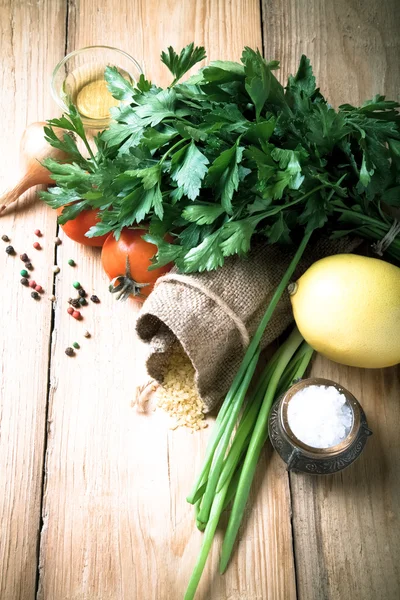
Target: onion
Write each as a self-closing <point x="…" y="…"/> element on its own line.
<point x="33" y="150"/>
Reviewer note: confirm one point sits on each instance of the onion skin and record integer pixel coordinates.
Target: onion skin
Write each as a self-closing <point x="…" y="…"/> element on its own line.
<point x="33" y="150"/>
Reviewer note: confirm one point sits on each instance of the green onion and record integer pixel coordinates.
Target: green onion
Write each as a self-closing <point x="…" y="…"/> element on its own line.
<point x="232" y="471"/>
<point x="257" y="441"/>
<point x="223" y="415"/>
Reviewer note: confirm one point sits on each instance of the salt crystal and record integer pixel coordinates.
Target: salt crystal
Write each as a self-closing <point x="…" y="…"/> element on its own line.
<point x="320" y="416"/>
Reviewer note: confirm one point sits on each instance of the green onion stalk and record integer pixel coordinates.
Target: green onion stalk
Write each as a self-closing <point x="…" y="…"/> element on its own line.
<point x="231" y="458"/>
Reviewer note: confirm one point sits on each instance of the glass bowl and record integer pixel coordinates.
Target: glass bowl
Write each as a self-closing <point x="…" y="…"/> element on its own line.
<point x="78" y="79"/>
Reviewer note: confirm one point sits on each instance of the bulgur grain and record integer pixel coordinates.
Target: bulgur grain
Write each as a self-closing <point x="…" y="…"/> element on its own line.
<point x="178" y="395"/>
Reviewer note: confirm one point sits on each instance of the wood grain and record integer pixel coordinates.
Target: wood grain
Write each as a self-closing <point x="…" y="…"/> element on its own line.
<point x="116" y="523"/>
<point x="353" y="45"/>
<point x="346" y="526"/>
<point x="28" y="55"/>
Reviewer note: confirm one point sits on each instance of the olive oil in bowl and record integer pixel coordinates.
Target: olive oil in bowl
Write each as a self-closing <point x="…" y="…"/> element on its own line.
<point x="79" y="80"/>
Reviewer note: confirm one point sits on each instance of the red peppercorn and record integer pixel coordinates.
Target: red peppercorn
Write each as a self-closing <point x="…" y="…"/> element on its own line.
<point x="37" y="246"/>
<point x="77" y="315"/>
<point x="70" y="310"/>
<point x="32" y="283"/>
<point x="39" y="289"/>
<point x="38" y="232"/>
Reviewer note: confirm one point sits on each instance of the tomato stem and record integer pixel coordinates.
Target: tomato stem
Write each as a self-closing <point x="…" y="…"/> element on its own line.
<point x="126" y="285"/>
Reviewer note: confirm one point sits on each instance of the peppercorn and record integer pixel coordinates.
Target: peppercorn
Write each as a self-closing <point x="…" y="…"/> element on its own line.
<point x="76" y="345"/>
<point x="69" y="351"/>
<point x="77" y="315"/>
<point x="56" y="269"/>
<point x="35" y="295"/>
<point x="39" y="289"/>
<point x="5" y="238"/>
<point x="70" y="310"/>
<point x="82" y="301"/>
<point x="29" y="266"/>
<point x="10" y="250"/>
<point x="37" y="246"/>
<point x="86" y="334"/>
<point x="32" y="283"/>
<point x="24" y="281"/>
<point x="75" y="303"/>
<point x="24" y="257"/>
<point x="57" y="241"/>
<point x="76" y="285"/>
<point x="24" y="273"/>
<point x="94" y="299"/>
<point x="38" y="232"/>
<point x="82" y="293"/>
<point x="71" y="262"/>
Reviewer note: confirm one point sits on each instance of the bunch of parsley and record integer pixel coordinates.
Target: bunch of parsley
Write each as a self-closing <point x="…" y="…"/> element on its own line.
<point x="230" y="154"/>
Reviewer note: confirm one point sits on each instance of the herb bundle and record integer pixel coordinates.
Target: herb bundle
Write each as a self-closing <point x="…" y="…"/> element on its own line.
<point x="230" y="154"/>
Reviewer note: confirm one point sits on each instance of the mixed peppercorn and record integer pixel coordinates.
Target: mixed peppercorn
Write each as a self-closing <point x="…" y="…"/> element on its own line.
<point x="37" y="289"/>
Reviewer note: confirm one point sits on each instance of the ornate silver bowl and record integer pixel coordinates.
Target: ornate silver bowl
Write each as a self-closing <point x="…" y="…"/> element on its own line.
<point x="322" y="461"/>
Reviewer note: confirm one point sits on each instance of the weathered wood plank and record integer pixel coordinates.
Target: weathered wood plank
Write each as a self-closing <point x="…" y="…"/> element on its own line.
<point x="117" y="525"/>
<point x="353" y="45"/>
<point x="28" y="54"/>
<point x="346" y="526"/>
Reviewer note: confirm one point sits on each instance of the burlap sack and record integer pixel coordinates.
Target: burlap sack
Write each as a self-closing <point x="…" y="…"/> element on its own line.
<point x="214" y="314"/>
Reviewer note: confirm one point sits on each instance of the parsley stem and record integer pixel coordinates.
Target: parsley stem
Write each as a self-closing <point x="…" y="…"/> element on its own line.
<point x="277" y="209"/>
<point x="92" y="156"/>
<point x="168" y="152"/>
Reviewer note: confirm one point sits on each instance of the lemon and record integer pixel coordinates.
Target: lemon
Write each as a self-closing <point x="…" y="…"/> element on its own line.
<point x="347" y="307"/>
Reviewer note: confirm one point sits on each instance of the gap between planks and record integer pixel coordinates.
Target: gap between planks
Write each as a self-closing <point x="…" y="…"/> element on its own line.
<point x="49" y="364"/>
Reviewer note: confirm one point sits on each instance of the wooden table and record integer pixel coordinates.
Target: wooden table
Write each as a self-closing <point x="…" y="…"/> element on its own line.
<point x="92" y="500"/>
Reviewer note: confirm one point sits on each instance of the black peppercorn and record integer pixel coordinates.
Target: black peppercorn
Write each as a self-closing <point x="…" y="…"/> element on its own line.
<point x="94" y="299"/>
<point x="75" y="303"/>
<point x="82" y="293"/>
<point x="24" y="281"/>
<point x="10" y="250"/>
<point x="35" y="295"/>
<point x="69" y="351"/>
<point x="24" y="257"/>
<point x="29" y="266"/>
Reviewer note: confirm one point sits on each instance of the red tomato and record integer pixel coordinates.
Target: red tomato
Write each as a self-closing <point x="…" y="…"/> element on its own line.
<point x="126" y="262"/>
<point x="76" y="228"/>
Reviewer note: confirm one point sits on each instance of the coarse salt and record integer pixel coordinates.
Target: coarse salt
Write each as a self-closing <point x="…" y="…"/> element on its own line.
<point x="320" y="416"/>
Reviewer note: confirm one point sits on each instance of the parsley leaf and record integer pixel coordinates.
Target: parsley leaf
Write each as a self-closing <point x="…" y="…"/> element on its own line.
<point x="207" y="256"/>
<point x="227" y="155"/>
<point x="166" y="252"/>
<point x="180" y="64"/>
<point x="223" y="175"/>
<point x="202" y="214"/>
<point x="188" y="168"/>
<point x="237" y="236"/>
<point x="118" y="85"/>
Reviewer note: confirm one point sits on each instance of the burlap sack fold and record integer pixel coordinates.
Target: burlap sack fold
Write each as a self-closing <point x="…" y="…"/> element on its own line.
<point x="213" y="330"/>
